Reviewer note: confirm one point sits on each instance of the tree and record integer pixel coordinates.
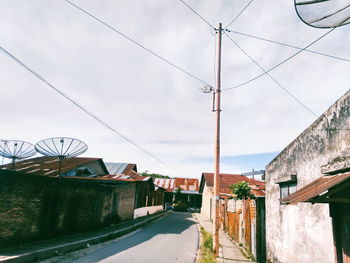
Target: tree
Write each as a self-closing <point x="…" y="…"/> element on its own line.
<point x="145" y="173"/>
<point x="242" y="191"/>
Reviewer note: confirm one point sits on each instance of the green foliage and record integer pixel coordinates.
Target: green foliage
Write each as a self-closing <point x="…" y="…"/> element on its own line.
<point x="242" y="191"/>
<point x="181" y="206"/>
<point x="145" y="173"/>
<point x="206" y="248"/>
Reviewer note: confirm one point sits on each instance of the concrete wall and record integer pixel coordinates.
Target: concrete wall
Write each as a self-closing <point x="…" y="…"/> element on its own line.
<point x="144" y="211"/>
<point x="207" y="198"/>
<point x="303" y="232"/>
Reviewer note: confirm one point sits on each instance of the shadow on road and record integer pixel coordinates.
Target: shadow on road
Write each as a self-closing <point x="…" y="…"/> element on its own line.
<point x="175" y="223"/>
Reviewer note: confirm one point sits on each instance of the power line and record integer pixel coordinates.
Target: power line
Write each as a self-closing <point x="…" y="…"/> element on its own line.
<point x="104" y="123"/>
<point x="279" y="64"/>
<point x="271" y="77"/>
<point x="197" y="14"/>
<point x="235" y="18"/>
<point x="287" y="45"/>
<point x="136" y="43"/>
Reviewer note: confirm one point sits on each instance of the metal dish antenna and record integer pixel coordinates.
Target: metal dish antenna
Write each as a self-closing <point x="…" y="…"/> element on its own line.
<point x="61" y="147"/>
<point x="16" y="150"/>
<point x="323" y="13"/>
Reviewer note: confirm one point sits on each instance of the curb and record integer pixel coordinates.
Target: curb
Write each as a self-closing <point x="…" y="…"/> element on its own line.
<point x="198" y="254"/>
<point x="45" y="253"/>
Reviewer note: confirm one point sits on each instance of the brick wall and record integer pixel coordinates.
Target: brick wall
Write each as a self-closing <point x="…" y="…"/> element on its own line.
<point x="36" y="207"/>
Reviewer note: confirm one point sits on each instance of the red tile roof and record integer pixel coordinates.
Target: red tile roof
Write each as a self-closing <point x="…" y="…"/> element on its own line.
<point x="49" y="166"/>
<point x="226" y="180"/>
<point x="316" y="188"/>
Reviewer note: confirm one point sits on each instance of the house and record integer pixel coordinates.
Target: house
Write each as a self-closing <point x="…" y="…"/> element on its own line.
<point x="189" y="190"/>
<point x="36" y="206"/>
<point x="225" y="181"/>
<point x="243" y="220"/>
<point x="49" y="166"/>
<point x="149" y="198"/>
<point x="307" y="193"/>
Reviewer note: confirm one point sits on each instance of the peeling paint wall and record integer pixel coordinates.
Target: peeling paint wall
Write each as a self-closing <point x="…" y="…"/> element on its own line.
<point x="303" y="232"/>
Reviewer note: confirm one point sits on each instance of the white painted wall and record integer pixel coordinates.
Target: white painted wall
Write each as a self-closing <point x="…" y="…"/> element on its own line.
<point x="207" y="197"/>
<point x="143" y="211"/>
<point x="302" y="232"/>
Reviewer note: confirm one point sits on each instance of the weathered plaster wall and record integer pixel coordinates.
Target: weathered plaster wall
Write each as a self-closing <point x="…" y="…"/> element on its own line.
<point x="207" y="197"/>
<point x="303" y="232"/>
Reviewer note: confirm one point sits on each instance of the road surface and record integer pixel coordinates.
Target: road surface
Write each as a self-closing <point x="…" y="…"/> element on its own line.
<point x="173" y="238"/>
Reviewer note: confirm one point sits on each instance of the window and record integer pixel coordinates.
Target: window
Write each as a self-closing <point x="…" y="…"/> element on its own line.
<point x="287" y="188"/>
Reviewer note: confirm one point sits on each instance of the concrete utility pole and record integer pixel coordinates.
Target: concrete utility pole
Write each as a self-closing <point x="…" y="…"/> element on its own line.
<point x="217" y="94"/>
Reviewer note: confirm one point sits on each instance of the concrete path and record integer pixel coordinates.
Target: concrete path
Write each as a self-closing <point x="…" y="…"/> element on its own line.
<point x="228" y="251"/>
<point x="171" y="239"/>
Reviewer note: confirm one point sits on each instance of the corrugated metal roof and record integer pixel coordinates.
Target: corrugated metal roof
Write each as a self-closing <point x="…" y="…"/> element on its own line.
<point x="226" y="180"/>
<point x="316" y="188"/>
<point x="170" y="185"/>
<point x="116" y="168"/>
<point x="48" y="166"/>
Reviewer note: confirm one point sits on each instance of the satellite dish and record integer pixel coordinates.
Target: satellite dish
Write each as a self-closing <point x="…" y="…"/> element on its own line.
<point x="61" y="147"/>
<point x="16" y="150"/>
<point x="323" y="13"/>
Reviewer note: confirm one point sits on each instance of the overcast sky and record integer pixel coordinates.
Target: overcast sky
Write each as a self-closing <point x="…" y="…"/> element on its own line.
<point x="152" y="103"/>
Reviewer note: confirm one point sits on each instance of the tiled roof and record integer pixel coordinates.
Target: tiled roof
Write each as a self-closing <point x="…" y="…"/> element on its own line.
<point x="316" y="188"/>
<point x="170" y="185"/>
<point x="49" y="166"/>
<point x="226" y="180"/>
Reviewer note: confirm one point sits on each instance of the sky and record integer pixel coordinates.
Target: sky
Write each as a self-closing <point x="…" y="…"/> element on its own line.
<point x="152" y="103"/>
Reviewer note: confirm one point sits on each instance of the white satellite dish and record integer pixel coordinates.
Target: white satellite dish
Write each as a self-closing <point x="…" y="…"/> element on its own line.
<point x="16" y="150"/>
<point x="61" y="147"/>
<point x="323" y="13"/>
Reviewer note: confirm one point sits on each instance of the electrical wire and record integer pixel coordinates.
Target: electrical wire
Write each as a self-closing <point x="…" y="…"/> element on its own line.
<point x="102" y="122"/>
<point x="271" y="77"/>
<point x="281" y="63"/>
<point x="196" y="13"/>
<point x="235" y="18"/>
<point x="136" y="43"/>
<point x="287" y="45"/>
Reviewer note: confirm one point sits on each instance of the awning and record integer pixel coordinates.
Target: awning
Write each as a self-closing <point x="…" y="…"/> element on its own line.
<point x="321" y="190"/>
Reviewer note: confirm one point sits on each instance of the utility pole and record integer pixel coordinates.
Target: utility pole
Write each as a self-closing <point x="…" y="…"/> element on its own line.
<point x="217" y="94"/>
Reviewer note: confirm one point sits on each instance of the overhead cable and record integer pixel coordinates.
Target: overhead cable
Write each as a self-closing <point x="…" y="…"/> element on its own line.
<point x="136" y="43"/>
<point x="271" y="77"/>
<point x="98" y="119"/>
<point x="281" y="63"/>
<point x="235" y="18"/>
<point x="287" y="45"/>
<point x="196" y="13"/>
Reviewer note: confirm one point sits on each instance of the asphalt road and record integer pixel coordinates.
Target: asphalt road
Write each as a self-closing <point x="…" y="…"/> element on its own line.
<point x="173" y="238"/>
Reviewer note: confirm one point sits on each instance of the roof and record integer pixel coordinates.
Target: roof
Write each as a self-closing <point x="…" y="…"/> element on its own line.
<point x="130" y="178"/>
<point x="121" y="168"/>
<point x="49" y="166"/>
<point x="317" y="189"/>
<point x="226" y="180"/>
<point x="190" y="185"/>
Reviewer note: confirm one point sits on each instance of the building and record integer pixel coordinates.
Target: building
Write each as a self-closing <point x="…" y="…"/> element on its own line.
<point x="49" y="166"/>
<point x="34" y="207"/>
<point x="189" y="190"/>
<point x="307" y="193"/>
<point x="243" y="220"/>
<point x="225" y="181"/>
<point x="149" y="198"/>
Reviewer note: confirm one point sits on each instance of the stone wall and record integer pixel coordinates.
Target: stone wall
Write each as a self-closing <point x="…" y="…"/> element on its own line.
<point x="303" y="232"/>
<point x="37" y="207"/>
